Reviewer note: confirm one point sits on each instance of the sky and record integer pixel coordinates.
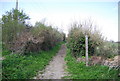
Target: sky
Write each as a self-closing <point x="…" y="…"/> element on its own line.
<point x="62" y="13"/>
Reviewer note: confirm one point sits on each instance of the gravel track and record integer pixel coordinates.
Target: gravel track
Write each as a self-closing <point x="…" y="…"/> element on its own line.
<point x="56" y="67"/>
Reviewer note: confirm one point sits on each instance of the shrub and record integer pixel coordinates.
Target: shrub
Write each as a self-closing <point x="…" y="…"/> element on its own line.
<point x="76" y="39"/>
<point x="13" y="23"/>
<point x="51" y="35"/>
<point x="19" y="37"/>
<point x="107" y="50"/>
<point x="38" y="38"/>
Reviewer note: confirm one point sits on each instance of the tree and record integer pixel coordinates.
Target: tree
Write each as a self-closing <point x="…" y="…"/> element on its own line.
<point x="15" y="15"/>
<point x="13" y="23"/>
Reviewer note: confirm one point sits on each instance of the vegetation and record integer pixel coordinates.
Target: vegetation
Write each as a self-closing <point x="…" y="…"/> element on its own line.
<point x="97" y="45"/>
<point x="76" y="39"/>
<point x="51" y="36"/>
<point x="25" y="67"/>
<point x="13" y="23"/>
<point x="26" y="50"/>
<point x="19" y="37"/>
<point x="78" y="70"/>
<point x="108" y="49"/>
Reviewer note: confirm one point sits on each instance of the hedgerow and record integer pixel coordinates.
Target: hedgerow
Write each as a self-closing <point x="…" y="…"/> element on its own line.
<point x="21" y="38"/>
<point x="51" y="36"/>
<point x="17" y="66"/>
<point x="76" y="39"/>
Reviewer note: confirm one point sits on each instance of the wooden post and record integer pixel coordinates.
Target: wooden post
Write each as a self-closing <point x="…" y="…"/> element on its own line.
<point x="16" y="4"/>
<point x="86" y="44"/>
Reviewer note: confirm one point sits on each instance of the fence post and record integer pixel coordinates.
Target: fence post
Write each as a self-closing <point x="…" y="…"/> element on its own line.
<point x="86" y="45"/>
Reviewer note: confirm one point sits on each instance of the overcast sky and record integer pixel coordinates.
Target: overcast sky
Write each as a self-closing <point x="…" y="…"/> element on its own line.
<point x="61" y="13"/>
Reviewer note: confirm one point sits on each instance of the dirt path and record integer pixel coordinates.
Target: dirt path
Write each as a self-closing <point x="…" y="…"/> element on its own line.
<point x="55" y="69"/>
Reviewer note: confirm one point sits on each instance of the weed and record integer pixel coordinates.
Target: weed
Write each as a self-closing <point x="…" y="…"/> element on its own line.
<point x="78" y="70"/>
<point x="17" y="66"/>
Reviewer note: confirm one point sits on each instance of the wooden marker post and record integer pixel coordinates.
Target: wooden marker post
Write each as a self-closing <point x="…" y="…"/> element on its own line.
<point x="86" y="45"/>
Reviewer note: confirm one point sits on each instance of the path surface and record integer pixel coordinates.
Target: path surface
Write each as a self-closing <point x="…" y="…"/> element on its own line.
<point x="55" y="69"/>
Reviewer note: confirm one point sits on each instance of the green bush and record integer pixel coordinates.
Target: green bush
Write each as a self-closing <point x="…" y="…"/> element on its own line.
<point x="5" y="52"/>
<point x="13" y="23"/>
<point x="21" y="38"/>
<point x="76" y="39"/>
<point x="78" y="70"/>
<point x="51" y="36"/>
<point x="107" y="50"/>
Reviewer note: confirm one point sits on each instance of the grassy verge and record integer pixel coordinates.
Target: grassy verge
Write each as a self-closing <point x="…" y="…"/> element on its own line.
<point x="78" y="70"/>
<point x="25" y="67"/>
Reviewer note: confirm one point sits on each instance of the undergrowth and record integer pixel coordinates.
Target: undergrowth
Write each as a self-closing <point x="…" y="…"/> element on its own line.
<point x="17" y="66"/>
<point x="78" y="70"/>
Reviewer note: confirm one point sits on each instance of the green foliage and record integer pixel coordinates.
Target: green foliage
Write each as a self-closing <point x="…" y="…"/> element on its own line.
<point x="25" y="67"/>
<point x="78" y="70"/>
<point x="76" y="39"/>
<point x="13" y="23"/>
<point x="20" y="39"/>
<point x="51" y="36"/>
<point x="107" y="50"/>
<point x="5" y="52"/>
<point x="14" y="15"/>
